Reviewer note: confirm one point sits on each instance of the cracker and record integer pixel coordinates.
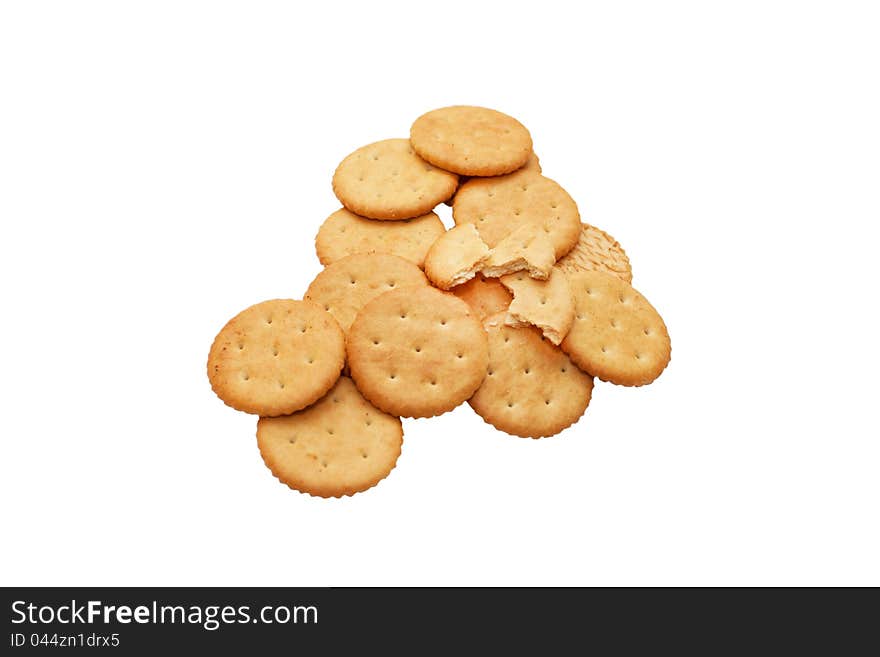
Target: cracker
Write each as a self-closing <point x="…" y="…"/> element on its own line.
<point x="617" y="334"/>
<point x="344" y="233"/>
<point x="596" y="250"/>
<point x="472" y="141"/>
<point x="545" y="304"/>
<point x="347" y="285"/>
<point x="484" y="296"/>
<point x="498" y="206"/>
<point x="341" y="445"/>
<point x="417" y="352"/>
<point x="456" y="257"/>
<point x="531" y="388"/>
<point x="526" y="249"/>
<point x="533" y="164"/>
<point x="387" y="180"/>
<point x="276" y="357"/>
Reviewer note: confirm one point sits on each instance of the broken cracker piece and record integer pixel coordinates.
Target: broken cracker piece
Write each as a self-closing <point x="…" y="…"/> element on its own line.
<point x="526" y="249"/>
<point x="546" y="304"/>
<point x="456" y="257"/>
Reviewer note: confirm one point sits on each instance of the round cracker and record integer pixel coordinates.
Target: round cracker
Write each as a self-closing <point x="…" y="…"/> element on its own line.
<point x="533" y="164"/>
<point x="498" y="206"/>
<point x="341" y="445"/>
<point x="276" y="357"/>
<point x="387" y="180"/>
<point x="596" y="250"/>
<point x="617" y="335"/>
<point x="531" y="389"/>
<point x="485" y="296"/>
<point x="347" y="285"/>
<point x="472" y="141"/>
<point x="344" y="233"/>
<point x="417" y="352"/>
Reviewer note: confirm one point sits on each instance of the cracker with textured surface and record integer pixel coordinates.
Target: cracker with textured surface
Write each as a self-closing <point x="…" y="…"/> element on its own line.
<point x="344" y="233"/>
<point x="347" y="285"/>
<point x="341" y="445"/>
<point x="531" y="389"/>
<point x="485" y="296"/>
<point x="387" y="180"/>
<point x="456" y="257"/>
<point x="596" y="250"/>
<point x="526" y="249"/>
<point x="498" y="206"/>
<point x="547" y="305"/>
<point x="472" y="141"/>
<point x="276" y="357"/>
<point x="617" y="334"/>
<point x="417" y="352"/>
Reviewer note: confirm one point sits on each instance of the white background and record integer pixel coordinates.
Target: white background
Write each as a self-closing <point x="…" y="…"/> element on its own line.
<point x="164" y="165"/>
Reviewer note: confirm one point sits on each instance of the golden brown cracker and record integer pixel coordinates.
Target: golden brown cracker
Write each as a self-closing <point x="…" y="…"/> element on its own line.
<point x="417" y="351"/>
<point x="533" y="164"/>
<point x="596" y="250"/>
<point x="617" y="335"/>
<point x="276" y="357"/>
<point x="347" y="285"/>
<point x="344" y="233"/>
<point x="531" y="388"/>
<point x="547" y="305"/>
<point x="472" y="141"/>
<point x="341" y="445"/>
<point x="498" y="206"/>
<point x="387" y="180"/>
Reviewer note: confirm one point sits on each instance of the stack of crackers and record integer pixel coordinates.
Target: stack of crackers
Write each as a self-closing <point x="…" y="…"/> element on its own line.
<point x="515" y="310"/>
